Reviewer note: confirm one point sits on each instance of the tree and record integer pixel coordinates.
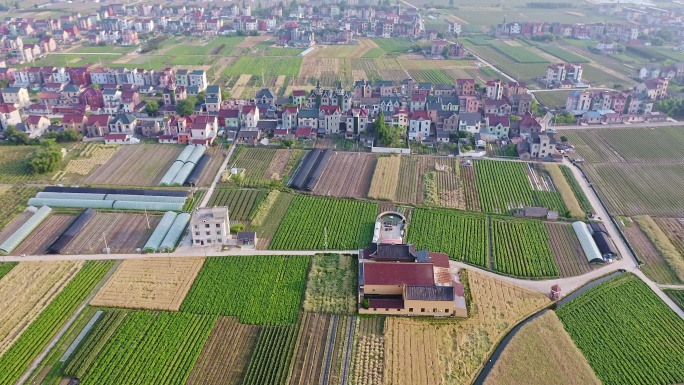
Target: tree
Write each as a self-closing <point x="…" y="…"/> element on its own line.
<point x="186" y="107"/>
<point x="152" y="108"/>
<point x="68" y="135"/>
<point x="45" y="160"/>
<point x="236" y="228"/>
<point x="225" y="94"/>
<point x="201" y="97"/>
<point x="515" y="118"/>
<point x="534" y="108"/>
<point x="4" y="83"/>
<point x="96" y="86"/>
<point x="15" y="136"/>
<point x="287" y="143"/>
<point x="564" y="139"/>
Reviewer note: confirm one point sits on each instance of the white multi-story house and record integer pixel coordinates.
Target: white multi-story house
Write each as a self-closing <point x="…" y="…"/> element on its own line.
<point x="250" y="116"/>
<point x="419" y="125"/>
<point x="210" y="226"/>
<point x="198" y="78"/>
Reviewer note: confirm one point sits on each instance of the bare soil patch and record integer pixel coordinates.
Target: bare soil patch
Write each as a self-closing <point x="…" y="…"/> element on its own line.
<point x="347" y="174"/>
<point x="124" y="233"/>
<point x="136" y="165"/>
<point x="43" y="236"/>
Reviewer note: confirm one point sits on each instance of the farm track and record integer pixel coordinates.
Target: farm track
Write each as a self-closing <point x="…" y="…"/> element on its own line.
<point x="308" y="361"/>
<point x="43" y="236"/>
<point x="226" y="353"/>
<point x="136" y="165"/>
<point x="342" y="178"/>
<point x="566" y="250"/>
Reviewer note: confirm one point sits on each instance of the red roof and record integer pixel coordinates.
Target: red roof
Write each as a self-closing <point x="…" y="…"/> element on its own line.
<point x="328" y="110"/>
<point x="7" y="108"/>
<point x="298" y="93"/>
<point x="305" y="131"/>
<point x="465" y="81"/>
<point x="73" y="118"/>
<point x="34" y="119"/>
<point x="291" y="110"/>
<point x="229" y="113"/>
<point x="439" y="259"/>
<point x="420" y="114"/>
<point x="248" y="109"/>
<point x="98" y="120"/>
<point x="397" y="273"/>
<point x="116" y="136"/>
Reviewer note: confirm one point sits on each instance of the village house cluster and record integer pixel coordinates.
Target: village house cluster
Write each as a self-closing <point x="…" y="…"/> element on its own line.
<point x="98" y="102"/>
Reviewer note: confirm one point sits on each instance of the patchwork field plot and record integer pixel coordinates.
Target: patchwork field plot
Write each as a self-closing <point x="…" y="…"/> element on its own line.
<point x="471" y="196"/>
<point x="394" y="46"/>
<point x="242" y="204"/>
<point x="13" y="167"/>
<point x="385" y="178"/>
<point x="38" y="283"/>
<point x="671" y="256"/>
<point x="152" y="284"/>
<point x="138" y="165"/>
<point x="368" y="352"/>
<point x="269" y="215"/>
<point x="410" y="187"/>
<point x="123" y="233"/>
<point x="260" y="290"/>
<point x="347" y="174"/>
<point x="164" y="351"/>
<point x="309" y="358"/>
<point x="542" y="340"/>
<point x="504" y="186"/>
<point x="462" y="236"/>
<point x="520" y="54"/>
<point x="677" y="296"/>
<point x="566" y="250"/>
<point x="88" y="156"/>
<point x="640" y="189"/>
<point x="576" y="189"/>
<point x="331" y="285"/>
<point x="674" y="230"/>
<point x="12" y="202"/>
<point x="17" y="359"/>
<point x="311" y="222"/>
<point x="645" y="349"/>
<point x="226" y="353"/>
<point x="254" y="65"/>
<point x="552" y="99"/>
<point x="218" y="155"/>
<point x="272" y="357"/>
<point x="565" y="190"/>
<point x="255" y="161"/>
<point x="448" y="183"/>
<point x="563" y="54"/>
<point x="655" y="266"/>
<point x="43" y="236"/>
<point x="521" y="248"/>
<point x="284" y="161"/>
<point x="461" y="346"/>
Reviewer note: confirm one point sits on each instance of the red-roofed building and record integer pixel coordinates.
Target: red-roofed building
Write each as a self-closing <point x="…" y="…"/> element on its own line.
<point x="77" y="122"/>
<point x="97" y="125"/>
<point x="9" y="116"/>
<point x="419" y="125"/>
<point x="116" y="138"/>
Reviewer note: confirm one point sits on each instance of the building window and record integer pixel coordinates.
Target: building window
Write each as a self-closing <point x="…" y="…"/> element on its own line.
<point x="208" y="232"/>
<point x="197" y="233"/>
<point x="411" y="309"/>
<point x="197" y="226"/>
<point x="446" y="310"/>
<point x="422" y="310"/>
<point x="434" y="310"/>
<point x="208" y="240"/>
<point x="218" y="232"/>
<point x="206" y="225"/>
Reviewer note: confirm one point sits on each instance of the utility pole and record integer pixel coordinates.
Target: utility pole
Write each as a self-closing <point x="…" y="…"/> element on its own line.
<point x="105" y="242"/>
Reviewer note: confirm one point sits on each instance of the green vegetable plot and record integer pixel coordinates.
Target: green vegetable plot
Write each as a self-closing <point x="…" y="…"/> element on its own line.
<point x="258" y="289"/>
<point x="270" y="362"/>
<point x="463" y="236"/>
<point x="521" y="248"/>
<point x="18" y="358"/>
<point x="628" y="335"/>
<point x="151" y="348"/>
<point x="347" y="224"/>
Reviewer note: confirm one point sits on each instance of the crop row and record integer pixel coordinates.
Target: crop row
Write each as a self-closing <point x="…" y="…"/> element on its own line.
<point x="268" y="66"/>
<point x="19" y="356"/>
<point x="562" y="54"/>
<point x="260" y="290"/>
<point x="394" y="45"/>
<point x="462" y="236"/>
<point x="504" y="186"/>
<point x="577" y="189"/>
<point x="255" y="161"/>
<point x="242" y="204"/>
<point x="94" y="343"/>
<point x="628" y="335"/>
<point x="520" y="54"/>
<point x="521" y="248"/>
<point x="270" y="362"/>
<point x="151" y="348"/>
<point x="317" y="223"/>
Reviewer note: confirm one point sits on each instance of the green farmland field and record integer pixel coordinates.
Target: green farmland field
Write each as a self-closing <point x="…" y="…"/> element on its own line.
<point x="394" y="46"/>
<point x="151" y="347"/>
<point x="311" y="221"/>
<point x="258" y="289"/>
<point x="462" y="236"/>
<point x="628" y="335"/>
<point x="520" y="54"/>
<point x="563" y="54"/>
<point x="254" y="65"/>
